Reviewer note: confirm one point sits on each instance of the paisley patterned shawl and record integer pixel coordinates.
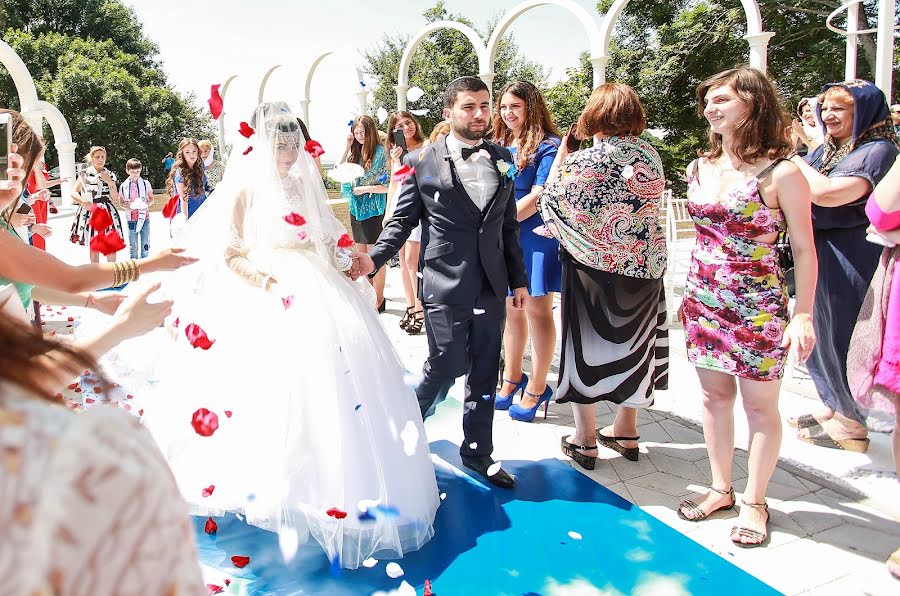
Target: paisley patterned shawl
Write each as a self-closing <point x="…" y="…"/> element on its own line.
<point x="603" y="207"/>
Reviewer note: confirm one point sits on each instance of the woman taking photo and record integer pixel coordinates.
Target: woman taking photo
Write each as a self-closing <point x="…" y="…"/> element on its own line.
<point x="859" y="149"/>
<point x="741" y="194"/>
<point x="368" y="194"/>
<point x="407" y="124"/>
<point x="523" y="124"/>
<point x="602" y="204"/>
<point x="95" y="186"/>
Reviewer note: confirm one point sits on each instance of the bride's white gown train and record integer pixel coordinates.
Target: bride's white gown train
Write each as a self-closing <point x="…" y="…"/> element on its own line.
<point x="317" y="432"/>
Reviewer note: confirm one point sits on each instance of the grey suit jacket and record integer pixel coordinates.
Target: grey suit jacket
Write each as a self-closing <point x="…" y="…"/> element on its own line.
<point x="460" y="244"/>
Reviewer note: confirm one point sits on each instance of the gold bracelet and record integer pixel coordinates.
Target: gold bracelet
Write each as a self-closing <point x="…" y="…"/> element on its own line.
<point x="137" y="269"/>
<point x="116" y="274"/>
<point x="126" y="265"/>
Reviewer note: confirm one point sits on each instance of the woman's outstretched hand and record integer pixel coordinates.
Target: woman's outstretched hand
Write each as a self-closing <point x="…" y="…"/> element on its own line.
<point x="167" y="260"/>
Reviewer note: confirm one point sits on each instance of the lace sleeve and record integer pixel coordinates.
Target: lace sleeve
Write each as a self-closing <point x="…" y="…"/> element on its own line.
<point x="120" y="523"/>
<point x="236" y="250"/>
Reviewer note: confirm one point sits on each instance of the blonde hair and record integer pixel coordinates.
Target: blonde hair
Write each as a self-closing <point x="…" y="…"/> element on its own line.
<point x="441" y="128"/>
<point x="94" y="149"/>
<point x="204" y="144"/>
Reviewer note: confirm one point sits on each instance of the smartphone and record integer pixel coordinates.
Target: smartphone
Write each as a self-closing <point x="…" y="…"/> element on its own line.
<point x="5" y="143"/>
<point x="24" y="209"/>
<point x="573" y="143"/>
<point x="400" y="140"/>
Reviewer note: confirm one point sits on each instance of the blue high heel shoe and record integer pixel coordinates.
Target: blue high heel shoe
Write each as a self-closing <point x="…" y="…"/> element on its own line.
<point x="502" y="402"/>
<point x="517" y="412"/>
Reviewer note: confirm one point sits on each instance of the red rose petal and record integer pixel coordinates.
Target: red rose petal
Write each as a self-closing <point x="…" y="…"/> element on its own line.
<point x="129" y="396"/>
<point x="295" y="219"/>
<point x="141" y="412"/>
<point x="78" y="390"/>
<point x="177" y="321"/>
<point x="240" y="561"/>
<point x="336" y="513"/>
<point x="98" y="389"/>
<point x="314" y="148"/>
<point x="345" y="241"/>
<point x="204" y="422"/>
<point x="428" y="591"/>
<point x="248" y="150"/>
<point x="88" y="400"/>
<point x="287" y="301"/>
<point x="228" y="413"/>
<point x="171" y="208"/>
<point x="246" y="130"/>
<point x="71" y="318"/>
<point x="107" y="243"/>
<point x="198" y="338"/>
<point x="403" y="173"/>
<point x="211" y="526"/>
<point x="215" y="102"/>
<point x="227" y="582"/>
<point x="100" y="218"/>
<point x="213" y="589"/>
<point x="71" y="385"/>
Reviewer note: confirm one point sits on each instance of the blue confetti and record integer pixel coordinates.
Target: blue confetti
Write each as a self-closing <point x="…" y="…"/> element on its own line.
<point x="383" y="178"/>
<point x="362" y="84"/>
<point x="335" y="568"/>
<point x="349" y="122"/>
<point x="358" y="406"/>
<point x="386" y="510"/>
<point x="366" y="516"/>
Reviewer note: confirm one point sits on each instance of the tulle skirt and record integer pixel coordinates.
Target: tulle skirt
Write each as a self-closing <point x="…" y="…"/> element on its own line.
<point x="318" y="434"/>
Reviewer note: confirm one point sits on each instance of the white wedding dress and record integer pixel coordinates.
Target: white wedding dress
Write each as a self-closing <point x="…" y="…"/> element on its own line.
<point x="314" y="418"/>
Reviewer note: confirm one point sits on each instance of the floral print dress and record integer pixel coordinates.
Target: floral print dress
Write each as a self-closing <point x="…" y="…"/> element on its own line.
<point x="735" y="307"/>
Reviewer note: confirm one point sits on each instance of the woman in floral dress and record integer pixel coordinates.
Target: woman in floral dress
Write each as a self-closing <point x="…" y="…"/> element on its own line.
<point x="742" y="193"/>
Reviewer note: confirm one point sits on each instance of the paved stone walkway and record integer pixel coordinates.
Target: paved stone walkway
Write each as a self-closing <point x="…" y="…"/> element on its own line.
<point x="835" y="517"/>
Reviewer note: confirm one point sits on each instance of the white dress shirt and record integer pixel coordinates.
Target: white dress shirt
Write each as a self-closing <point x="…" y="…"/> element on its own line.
<point x="477" y="174"/>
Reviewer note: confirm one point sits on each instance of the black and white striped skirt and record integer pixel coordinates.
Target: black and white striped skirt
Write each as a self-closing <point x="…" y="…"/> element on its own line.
<point x="615" y="341"/>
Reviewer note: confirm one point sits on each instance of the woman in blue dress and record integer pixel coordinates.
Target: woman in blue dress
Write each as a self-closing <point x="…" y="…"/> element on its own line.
<point x="523" y="124"/>
<point x="187" y="179"/>
<point x="860" y="147"/>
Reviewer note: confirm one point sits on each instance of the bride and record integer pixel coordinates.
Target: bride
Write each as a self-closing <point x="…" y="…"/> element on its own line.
<point x="313" y="431"/>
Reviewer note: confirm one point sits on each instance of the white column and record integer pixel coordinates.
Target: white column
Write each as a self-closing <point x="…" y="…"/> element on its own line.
<point x="361" y="98"/>
<point x="759" y="49"/>
<point x="599" y="63"/>
<point x="304" y="111"/>
<point x="884" y="62"/>
<point x="488" y="78"/>
<point x="852" y="28"/>
<point x="401" y="97"/>
<point x="66" y="153"/>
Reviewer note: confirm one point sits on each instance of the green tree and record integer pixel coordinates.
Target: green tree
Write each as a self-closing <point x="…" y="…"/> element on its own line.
<point x="665" y="48"/>
<point x="91" y="60"/>
<point x="442" y="57"/>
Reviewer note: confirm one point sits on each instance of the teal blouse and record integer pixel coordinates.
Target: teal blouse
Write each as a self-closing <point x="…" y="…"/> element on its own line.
<point x="22" y="289"/>
<point x="370" y="204"/>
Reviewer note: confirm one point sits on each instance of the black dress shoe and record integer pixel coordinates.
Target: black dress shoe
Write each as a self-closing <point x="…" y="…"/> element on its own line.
<point x="481" y="464"/>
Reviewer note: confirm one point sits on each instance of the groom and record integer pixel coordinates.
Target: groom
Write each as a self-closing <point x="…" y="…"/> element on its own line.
<point x="463" y="196"/>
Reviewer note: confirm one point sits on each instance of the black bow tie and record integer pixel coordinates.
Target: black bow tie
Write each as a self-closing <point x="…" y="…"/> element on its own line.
<point x="468" y="152"/>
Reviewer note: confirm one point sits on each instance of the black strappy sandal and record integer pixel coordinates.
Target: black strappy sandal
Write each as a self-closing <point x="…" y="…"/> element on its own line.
<point x="759" y="539"/>
<point x="404" y="320"/>
<point x="629" y="453"/>
<point x="574" y="451"/>
<point x="416" y="322"/>
<point x="698" y="511"/>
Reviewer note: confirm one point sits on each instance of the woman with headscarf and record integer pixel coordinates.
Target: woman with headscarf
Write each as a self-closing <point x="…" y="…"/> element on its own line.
<point x="858" y="150"/>
<point x="213" y="167"/>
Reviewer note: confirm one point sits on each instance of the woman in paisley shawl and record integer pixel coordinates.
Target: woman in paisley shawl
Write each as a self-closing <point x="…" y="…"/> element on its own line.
<point x="602" y="204"/>
<point x="859" y="149"/>
<point x="742" y="193"/>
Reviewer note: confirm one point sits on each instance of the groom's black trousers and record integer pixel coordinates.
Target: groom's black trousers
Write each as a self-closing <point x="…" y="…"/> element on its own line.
<point x="465" y="340"/>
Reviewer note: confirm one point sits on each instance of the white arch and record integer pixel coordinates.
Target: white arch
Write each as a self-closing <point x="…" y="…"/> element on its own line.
<point x="304" y="101"/>
<point x="35" y="111"/>
<point x="595" y="40"/>
<point x="757" y="39"/>
<point x="485" y="67"/>
<point x="262" y="84"/>
<point x="223" y="155"/>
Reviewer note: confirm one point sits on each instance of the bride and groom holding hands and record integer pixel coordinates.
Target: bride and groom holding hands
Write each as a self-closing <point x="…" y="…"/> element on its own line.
<point x="303" y="447"/>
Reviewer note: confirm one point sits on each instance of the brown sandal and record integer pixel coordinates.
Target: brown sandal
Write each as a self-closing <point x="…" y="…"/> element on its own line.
<point x="696" y="509"/>
<point x="819" y="437"/>
<point x="629" y="453"/>
<point x="415" y="323"/>
<point x="759" y="539"/>
<point x="404" y="320"/>
<point x="588" y="462"/>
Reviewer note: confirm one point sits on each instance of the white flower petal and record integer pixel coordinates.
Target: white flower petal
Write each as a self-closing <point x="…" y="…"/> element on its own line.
<point x="574" y="535"/>
<point x="288" y="541"/>
<point x="393" y="570"/>
<point x="370" y="562"/>
<point x="494" y="468"/>
<point x="414" y="94"/>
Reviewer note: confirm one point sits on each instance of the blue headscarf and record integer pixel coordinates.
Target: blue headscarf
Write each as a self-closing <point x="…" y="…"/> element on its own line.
<point x="871" y="121"/>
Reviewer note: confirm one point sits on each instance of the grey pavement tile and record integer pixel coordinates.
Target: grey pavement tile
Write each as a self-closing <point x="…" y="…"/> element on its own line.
<point x="782" y="476"/>
<point x="628" y="469"/>
<point x="857" y="513"/>
<point x="811" y="513"/>
<point x="869" y="542"/>
<point x="603" y="473"/>
<point x="736" y="472"/>
<point x="620" y="489"/>
<point x="681" y="433"/>
<point x="774" y="489"/>
<point x="665" y="483"/>
<point x="795" y="567"/>
<point x="870" y="582"/>
<point x="692" y="453"/>
<point x="652" y="431"/>
<point x="678" y="467"/>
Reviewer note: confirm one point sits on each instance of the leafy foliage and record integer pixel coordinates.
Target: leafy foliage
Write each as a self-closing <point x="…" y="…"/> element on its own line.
<point x="443" y="56"/>
<point x="91" y="60"/>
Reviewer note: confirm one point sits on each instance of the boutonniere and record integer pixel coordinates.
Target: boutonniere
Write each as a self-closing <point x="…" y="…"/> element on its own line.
<point x="507" y="169"/>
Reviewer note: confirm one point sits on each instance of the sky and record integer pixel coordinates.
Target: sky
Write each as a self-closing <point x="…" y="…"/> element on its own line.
<point x="203" y="42"/>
